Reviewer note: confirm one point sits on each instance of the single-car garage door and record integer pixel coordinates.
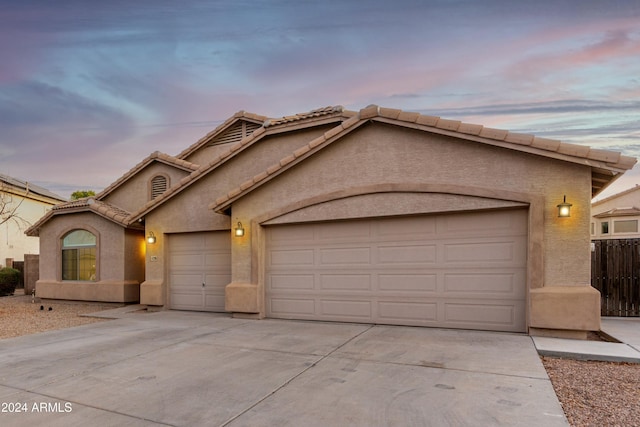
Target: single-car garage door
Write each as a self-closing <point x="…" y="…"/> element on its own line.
<point x="199" y="270"/>
<point x="458" y="270"/>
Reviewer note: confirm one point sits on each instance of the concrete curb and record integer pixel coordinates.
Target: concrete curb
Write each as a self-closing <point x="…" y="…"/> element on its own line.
<point x="586" y="350"/>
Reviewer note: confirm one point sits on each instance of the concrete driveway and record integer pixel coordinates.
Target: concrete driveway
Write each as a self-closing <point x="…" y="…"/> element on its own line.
<point x="199" y="369"/>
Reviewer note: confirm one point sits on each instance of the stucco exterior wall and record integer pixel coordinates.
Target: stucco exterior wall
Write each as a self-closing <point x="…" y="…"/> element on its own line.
<point x="383" y="157"/>
<point x="379" y="154"/>
<point x="189" y="211"/>
<point x="113" y="253"/>
<point x="625" y="200"/>
<point x="135" y="192"/>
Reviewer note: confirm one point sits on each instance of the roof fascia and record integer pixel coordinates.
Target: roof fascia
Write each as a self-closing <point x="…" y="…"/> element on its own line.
<point x="224" y="202"/>
<point x="501" y="138"/>
<point x="613" y="213"/>
<point x="309" y="122"/>
<point x="229" y="154"/>
<point x="34" y="230"/>
<point x="156" y="156"/>
<point x="615" y="196"/>
<point x="30" y="194"/>
<point x="505" y="144"/>
<point x="198" y="174"/>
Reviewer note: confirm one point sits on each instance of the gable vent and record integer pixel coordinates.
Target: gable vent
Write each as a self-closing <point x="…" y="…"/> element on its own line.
<point x="235" y="133"/>
<point x="158" y="186"/>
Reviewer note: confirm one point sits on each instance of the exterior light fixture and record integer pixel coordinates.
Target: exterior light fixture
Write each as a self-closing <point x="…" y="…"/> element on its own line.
<point x="239" y="231"/>
<point x="564" y="209"/>
<point x="151" y="238"/>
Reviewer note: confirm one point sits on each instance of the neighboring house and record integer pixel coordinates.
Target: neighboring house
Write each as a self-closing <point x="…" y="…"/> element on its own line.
<point x="21" y="205"/>
<point x="617" y="216"/>
<point x="376" y="216"/>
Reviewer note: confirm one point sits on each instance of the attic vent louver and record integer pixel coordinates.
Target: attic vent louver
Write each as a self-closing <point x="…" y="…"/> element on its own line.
<point x="158" y="186"/>
<point x="235" y="133"/>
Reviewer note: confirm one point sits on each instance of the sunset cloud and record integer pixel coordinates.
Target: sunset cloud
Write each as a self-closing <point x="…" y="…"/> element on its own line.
<point x="88" y="89"/>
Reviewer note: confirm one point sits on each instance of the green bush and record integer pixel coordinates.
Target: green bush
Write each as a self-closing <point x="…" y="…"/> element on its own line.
<point x="9" y="279"/>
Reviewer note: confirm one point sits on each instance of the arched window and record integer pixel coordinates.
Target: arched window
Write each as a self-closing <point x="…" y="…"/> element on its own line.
<point x="158" y="185"/>
<point x="79" y="256"/>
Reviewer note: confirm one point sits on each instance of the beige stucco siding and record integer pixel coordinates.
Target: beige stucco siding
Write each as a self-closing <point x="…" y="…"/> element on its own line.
<point x="119" y="268"/>
<point x="379" y="155"/>
<point x="189" y="211"/>
<point x="134" y="255"/>
<point x="618" y="209"/>
<point x="135" y="192"/>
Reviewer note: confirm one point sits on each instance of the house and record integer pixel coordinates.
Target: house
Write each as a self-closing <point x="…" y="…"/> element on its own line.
<point x="21" y="205"/>
<point x="375" y="216"/>
<point x="616" y="216"/>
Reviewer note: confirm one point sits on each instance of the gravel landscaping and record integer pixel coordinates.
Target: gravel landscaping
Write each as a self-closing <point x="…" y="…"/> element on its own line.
<point x="591" y="393"/>
<point x="20" y="316"/>
<point x="596" y="393"/>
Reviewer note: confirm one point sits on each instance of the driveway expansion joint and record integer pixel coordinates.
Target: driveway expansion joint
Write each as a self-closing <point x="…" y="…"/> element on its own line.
<point x="290" y="380"/>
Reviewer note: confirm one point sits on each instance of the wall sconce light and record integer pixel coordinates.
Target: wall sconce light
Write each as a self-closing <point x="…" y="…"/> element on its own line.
<point x="564" y="209"/>
<point x="151" y="238"/>
<point x="239" y="231"/>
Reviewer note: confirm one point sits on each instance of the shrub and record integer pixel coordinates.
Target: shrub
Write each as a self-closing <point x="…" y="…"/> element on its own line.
<point x="9" y="279"/>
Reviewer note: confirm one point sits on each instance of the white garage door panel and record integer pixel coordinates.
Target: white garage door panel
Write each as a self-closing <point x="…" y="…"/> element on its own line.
<point x="506" y="284"/>
<point x="287" y="307"/>
<point x="292" y="258"/>
<point x="397" y="283"/>
<point x="349" y="256"/>
<point x="456" y="270"/>
<point x="415" y="254"/>
<point x="196" y="259"/>
<point x="346" y="310"/>
<point x="472" y="315"/>
<point x="293" y="281"/>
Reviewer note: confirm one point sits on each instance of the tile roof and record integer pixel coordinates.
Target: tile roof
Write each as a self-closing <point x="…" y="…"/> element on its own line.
<point x="87" y="204"/>
<point x="615" y="196"/>
<point x="24" y="185"/>
<point x="240" y="115"/>
<point x="233" y="150"/>
<point x="599" y="160"/>
<point x="633" y="211"/>
<point x="320" y="112"/>
<point x="155" y="156"/>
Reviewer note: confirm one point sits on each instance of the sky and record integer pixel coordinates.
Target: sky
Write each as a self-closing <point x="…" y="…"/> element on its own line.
<point x="90" y="88"/>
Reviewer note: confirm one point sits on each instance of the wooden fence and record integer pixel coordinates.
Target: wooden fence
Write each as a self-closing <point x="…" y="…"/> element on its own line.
<point x="615" y="272"/>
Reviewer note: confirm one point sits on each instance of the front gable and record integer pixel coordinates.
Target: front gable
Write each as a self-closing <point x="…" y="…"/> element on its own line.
<point x="210" y="148"/>
<point x="236" y="162"/>
<point x="146" y="181"/>
<point x="185" y="207"/>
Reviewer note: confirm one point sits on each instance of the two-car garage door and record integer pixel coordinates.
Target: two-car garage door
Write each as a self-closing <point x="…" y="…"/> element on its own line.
<point x="464" y="270"/>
